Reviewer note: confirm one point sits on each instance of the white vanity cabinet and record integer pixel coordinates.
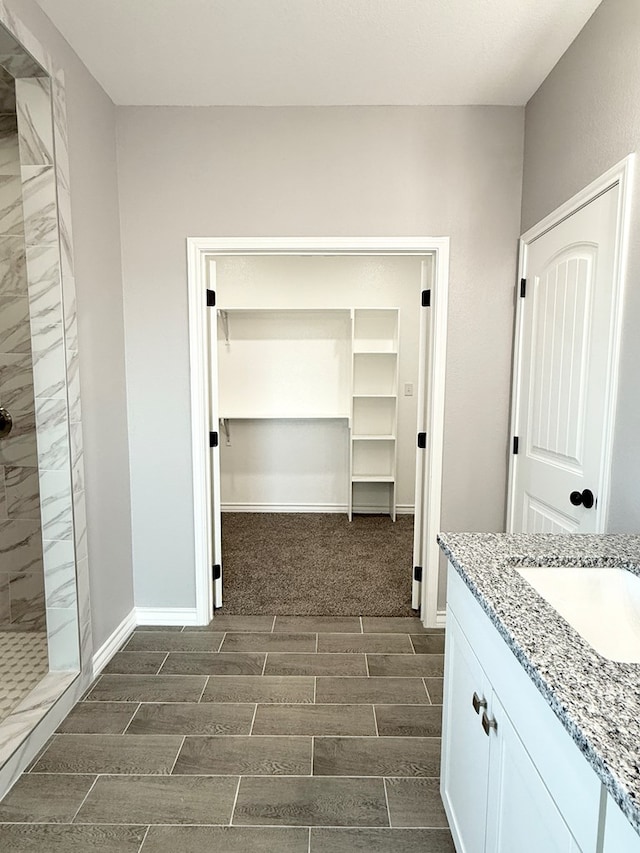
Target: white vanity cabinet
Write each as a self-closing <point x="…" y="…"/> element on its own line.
<point x="619" y="835"/>
<point x="512" y="779"/>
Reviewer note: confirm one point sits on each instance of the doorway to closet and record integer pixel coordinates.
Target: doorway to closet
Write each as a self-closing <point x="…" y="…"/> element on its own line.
<point x="318" y="373"/>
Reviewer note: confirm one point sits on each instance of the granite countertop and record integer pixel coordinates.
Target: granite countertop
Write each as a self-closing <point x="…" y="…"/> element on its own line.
<point x="597" y="700"/>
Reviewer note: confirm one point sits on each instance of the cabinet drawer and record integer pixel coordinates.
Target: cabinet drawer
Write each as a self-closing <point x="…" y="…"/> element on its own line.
<point x="570" y="779"/>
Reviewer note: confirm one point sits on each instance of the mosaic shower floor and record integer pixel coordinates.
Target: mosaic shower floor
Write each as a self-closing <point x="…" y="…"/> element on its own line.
<point x="23" y="663"/>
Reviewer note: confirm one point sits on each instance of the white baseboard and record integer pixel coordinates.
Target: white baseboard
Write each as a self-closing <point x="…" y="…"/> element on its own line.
<point x="401" y="509"/>
<point x="111" y="645"/>
<point x="441" y="618"/>
<point x="166" y="616"/>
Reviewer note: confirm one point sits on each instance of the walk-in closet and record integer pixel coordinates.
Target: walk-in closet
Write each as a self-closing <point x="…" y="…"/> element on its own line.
<point x="316" y="379"/>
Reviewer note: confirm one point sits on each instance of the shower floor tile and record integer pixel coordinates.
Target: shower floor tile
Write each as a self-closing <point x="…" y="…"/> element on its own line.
<point x="23" y="663"/>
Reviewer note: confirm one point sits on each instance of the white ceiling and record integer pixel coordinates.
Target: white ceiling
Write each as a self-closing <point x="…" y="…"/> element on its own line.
<point x="319" y="52"/>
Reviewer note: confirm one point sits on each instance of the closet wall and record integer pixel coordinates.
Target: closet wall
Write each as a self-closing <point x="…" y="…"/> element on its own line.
<point x="298" y="464"/>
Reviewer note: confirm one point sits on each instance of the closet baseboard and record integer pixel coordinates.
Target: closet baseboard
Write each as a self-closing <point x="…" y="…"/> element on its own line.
<point x="166" y="616"/>
<point x="401" y="509"/>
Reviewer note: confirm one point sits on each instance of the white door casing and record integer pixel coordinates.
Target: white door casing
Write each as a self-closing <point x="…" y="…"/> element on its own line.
<point x="216" y="524"/>
<point x="423" y="406"/>
<point x="566" y="356"/>
<point x="201" y="253"/>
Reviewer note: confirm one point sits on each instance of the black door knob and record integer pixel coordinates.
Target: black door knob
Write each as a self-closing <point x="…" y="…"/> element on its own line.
<point x="585" y="498"/>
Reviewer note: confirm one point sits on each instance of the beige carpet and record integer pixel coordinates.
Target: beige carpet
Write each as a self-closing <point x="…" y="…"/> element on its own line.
<point x="302" y="564"/>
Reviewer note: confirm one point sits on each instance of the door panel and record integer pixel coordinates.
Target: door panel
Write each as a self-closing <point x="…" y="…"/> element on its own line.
<point x="216" y="526"/>
<point x="562" y="309"/>
<point x="542" y="518"/>
<point x="424" y="405"/>
<point x="465" y="748"/>
<point x="563" y="377"/>
<point x="521" y="814"/>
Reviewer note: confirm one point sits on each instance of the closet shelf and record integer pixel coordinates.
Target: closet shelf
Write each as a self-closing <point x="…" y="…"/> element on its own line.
<point x="376" y="396"/>
<point x="283" y="416"/>
<point x="373" y="478"/>
<point x="373" y="437"/>
<point x="359" y="349"/>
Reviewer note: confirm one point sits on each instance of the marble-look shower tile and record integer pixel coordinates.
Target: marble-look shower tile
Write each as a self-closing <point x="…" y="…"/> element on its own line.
<point x="60" y="573"/>
<point x="53" y="436"/>
<point x="64" y="222"/>
<point x="23" y="492"/>
<point x="70" y="313"/>
<point x="77" y="457"/>
<point x="8" y="44"/>
<point x="4" y="513"/>
<point x="26" y="42"/>
<point x="73" y="387"/>
<point x="60" y="130"/>
<point x="55" y="505"/>
<point x="7" y="92"/>
<point x="11" y="205"/>
<point x="9" y="152"/>
<point x="62" y="634"/>
<point x="16" y="382"/>
<point x="13" y="269"/>
<point x="5" y="601"/>
<point x="45" y="293"/>
<point x="80" y="525"/>
<point x="39" y="203"/>
<point x="27" y="600"/>
<point x="20" y="64"/>
<point x="20" y="447"/>
<point x="15" y="331"/>
<point x="35" y="121"/>
<point x="49" y="368"/>
<point x="84" y="612"/>
<point x="20" y="546"/>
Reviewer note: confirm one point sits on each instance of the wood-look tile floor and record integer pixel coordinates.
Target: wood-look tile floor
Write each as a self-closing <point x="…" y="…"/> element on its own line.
<point x="256" y="734"/>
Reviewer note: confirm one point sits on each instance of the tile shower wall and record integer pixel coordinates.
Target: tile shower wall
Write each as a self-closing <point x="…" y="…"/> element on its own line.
<point x="52" y="358"/>
<point x="22" y="604"/>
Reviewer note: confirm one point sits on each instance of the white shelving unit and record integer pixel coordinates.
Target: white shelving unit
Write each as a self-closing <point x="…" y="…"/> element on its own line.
<point x="319" y="364"/>
<point x="374" y="410"/>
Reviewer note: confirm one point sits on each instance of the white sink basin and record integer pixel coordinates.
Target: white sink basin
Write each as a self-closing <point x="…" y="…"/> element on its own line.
<point x="601" y="604"/>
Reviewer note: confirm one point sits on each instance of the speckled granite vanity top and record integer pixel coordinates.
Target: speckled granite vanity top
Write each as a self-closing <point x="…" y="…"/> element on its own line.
<point x="596" y="699"/>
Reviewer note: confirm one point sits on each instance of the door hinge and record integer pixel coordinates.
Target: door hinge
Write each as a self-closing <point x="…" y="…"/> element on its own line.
<point x="516" y="444"/>
<point x="417" y="573"/>
<point x="217" y="571"/>
<point x="211" y="298"/>
<point x="213" y="439"/>
<point x="426" y="298"/>
<point x="523" y="287"/>
<point x="422" y="440"/>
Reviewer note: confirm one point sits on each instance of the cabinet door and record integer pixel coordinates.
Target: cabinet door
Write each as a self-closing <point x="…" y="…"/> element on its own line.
<point x="465" y="747"/>
<point x="521" y="815"/>
<point x="619" y="835"/>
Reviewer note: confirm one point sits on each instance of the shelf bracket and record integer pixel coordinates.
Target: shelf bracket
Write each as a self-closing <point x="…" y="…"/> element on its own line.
<point x="224" y="316"/>
<point x="226" y="429"/>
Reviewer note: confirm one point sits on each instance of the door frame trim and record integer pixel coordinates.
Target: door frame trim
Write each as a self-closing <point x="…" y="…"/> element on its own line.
<point x="202" y="249"/>
<point x="621" y="175"/>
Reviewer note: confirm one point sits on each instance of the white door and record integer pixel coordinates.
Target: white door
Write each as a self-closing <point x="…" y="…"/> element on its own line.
<point x="563" y="373"/>
<point x="214" y="443"/>
<point x="423" y="406"/>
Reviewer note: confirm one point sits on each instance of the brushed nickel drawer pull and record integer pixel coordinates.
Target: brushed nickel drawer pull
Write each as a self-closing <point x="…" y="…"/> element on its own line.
<point x="478" y="703"/>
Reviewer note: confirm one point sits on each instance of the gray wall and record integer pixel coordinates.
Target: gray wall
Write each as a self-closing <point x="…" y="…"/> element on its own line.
<point x="585" y="118"/>
<point x="96" y="225"/>
<point x="301" y="172"/>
